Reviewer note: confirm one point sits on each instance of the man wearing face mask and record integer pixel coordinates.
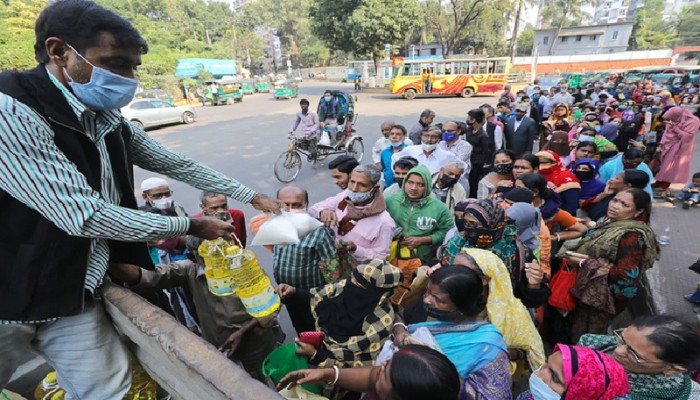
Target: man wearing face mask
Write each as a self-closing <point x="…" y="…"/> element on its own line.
<point x="482" y="148"/>
<point x="520" y="132"/>
<point x="632" y="158"/>
<point x="157" y="194"/>
<point x="454" y="144"/>
<point x="358" y="215"/>
<point x="447" y="188"/>
<point x="428" y="153"/>
<point x="69" y="208"/>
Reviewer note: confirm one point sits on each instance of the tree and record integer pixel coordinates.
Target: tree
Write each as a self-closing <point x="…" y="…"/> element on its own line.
<point x="561" y="13"/>
<point x="689" y="26"/>
<point x="650" y="31"/>
<point x="526" y="41"/>
<point x="363" y="27"/>
<point x="449" y="20"/>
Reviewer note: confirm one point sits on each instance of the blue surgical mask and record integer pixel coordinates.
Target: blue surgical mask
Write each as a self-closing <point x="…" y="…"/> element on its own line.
<point x="397" y="144"/>
<point x="105" y="91"/>
<point x="585" y="138"/>
<point x="448" y="136"/>
<point x="540" y="390"/>
<point x="359" y="197"/>
<point x="327" y="98"/>
<point x="519" y="117"/>
<point x="597" y="128"/>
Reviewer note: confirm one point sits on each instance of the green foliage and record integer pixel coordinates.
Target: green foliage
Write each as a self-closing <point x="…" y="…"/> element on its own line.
<point x="363" y="27"/>
<point x="564" y="13"/>
<point x="650" y="31"/>
<point x="689" y="26"/>
<point x="525" y="41"/>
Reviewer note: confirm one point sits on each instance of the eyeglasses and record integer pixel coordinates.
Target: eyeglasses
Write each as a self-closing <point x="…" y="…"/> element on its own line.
<point x="158" y="196"/>
<point x="630" y="351"/>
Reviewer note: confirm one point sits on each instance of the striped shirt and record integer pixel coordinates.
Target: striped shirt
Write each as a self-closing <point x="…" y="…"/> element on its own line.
<point x="299" y="265"/>
<point x="35" y="172"/>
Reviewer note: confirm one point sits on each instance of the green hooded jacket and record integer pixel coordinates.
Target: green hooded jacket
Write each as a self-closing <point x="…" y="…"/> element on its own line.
<point x="426" y="217"/>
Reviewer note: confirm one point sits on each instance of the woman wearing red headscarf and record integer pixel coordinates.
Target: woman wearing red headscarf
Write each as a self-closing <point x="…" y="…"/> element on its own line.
<point x="578" y="373"/>
<point x="564" y="182"/>
<point x="676" y="147"/>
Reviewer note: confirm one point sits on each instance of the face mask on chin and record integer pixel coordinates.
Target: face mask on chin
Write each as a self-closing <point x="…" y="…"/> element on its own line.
<point x="441" y="315"/>
<point x="397" y="144"/>
<point x="105" y="90"/>
<point x="540" y="390"/>
<point x="429" y="147"/>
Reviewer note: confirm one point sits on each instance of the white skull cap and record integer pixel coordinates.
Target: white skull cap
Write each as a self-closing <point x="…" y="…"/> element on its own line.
<point x="152" y="183"/>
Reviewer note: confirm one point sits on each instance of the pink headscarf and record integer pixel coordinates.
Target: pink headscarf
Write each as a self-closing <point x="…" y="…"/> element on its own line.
<point x="590" y="374"/>
<point x="683" y="122"/>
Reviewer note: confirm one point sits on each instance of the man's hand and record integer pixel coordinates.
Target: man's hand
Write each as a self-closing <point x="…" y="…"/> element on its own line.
<point x="284" y="290"/>
<point x="329" y="218"/>
<point x="127" y="273"/>
<point x="266" y="204"/>
<point x="415" y="241"/>
<point x="231" y="344"/>
<point x="210" y="228"/>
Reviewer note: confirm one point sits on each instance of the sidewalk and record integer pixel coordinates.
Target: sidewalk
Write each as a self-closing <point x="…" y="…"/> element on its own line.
<point x="670" y="279"/>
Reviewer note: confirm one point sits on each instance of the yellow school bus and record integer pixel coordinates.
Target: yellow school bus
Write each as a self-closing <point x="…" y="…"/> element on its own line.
<point x="455" y="76"/>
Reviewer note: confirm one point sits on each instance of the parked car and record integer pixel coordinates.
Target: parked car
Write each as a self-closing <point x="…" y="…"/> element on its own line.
<point x="146" y="113"/>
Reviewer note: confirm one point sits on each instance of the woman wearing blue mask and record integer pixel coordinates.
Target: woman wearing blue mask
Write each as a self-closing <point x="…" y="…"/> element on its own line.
<point x="453" y="302"/>
<point x="397" y="138"/>
<point x="578" y="373"/>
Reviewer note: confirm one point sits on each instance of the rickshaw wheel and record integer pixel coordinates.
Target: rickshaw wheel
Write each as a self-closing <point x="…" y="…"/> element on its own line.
<point x="355" y="149"/>
<point x="287" y="166"/>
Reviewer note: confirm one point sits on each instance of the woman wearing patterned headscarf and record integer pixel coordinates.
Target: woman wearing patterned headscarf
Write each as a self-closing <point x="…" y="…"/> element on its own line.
<point x="578" y="373"/>
<point x="483" y="225"/>
<point x="355" y="315"/>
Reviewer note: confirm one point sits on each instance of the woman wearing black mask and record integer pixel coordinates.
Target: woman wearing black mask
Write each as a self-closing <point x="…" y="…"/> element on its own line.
<point x="501" y="179"/>
<point x="483" y="225"/>
<point x="454" y="301"/>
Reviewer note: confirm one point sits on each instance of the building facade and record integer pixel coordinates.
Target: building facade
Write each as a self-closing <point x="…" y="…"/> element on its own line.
<point x="595" y="39"/>
<point x="272" y="60"/>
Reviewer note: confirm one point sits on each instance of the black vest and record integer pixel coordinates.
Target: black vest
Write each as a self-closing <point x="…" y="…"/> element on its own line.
<point x="42" y="272"/>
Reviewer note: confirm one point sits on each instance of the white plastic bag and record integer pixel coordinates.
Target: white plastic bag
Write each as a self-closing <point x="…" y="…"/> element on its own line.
<point x="325" y="139"/>
<point x="277" y="230"/>
<point x="286" y="228"/>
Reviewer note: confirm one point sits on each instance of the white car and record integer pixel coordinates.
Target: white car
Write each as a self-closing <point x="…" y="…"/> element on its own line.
<point x="146" y="113"/>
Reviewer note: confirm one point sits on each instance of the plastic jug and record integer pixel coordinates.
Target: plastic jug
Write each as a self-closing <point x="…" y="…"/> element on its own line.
<point x="217" y="265"/>
<point x="252" y="285"/>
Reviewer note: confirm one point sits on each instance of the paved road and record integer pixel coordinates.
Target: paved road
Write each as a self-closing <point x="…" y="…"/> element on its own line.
<point x="244" y="140"/>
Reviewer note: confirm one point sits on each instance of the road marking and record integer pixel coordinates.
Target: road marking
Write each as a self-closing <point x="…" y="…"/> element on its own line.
<point x="28" y="367"/>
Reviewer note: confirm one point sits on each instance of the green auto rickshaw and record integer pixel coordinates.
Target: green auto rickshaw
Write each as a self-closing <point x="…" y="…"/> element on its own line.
<point x="286" y="90"/>
<point x="247" y="87"/>
<point x="262" y="85"/>
<point x="224" y="92"/>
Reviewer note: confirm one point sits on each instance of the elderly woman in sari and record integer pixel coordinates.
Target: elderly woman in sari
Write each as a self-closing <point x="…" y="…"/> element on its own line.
<point x="611" y="259"/>
<point x="578" y="373"/>
<point x="453" y="301"/>
<point x="657" y="352"/>
<point x="483" y="225"/>
<point x="503" y="310"/>
<point x="355" y="314"/>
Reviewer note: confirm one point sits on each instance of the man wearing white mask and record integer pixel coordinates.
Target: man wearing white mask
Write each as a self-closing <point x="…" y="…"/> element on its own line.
<point x="156" y="192"/>
<point x="427" y="153"/>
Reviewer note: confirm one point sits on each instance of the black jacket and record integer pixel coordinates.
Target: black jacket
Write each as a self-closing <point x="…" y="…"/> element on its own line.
<point x="42" y="272"/>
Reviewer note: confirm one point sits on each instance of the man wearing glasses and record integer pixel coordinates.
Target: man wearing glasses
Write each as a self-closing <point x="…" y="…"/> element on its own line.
<point x="520" y="131"/>
<point x="428" y="153"/>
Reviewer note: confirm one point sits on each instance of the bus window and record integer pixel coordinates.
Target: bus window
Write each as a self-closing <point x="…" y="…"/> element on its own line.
<point x="439" y="69"/>
<point x="448" y="68"/>
<point x="500" y="67"/>
<point x="411" y="70"/>
<point x="464" y="68"/>
<point x="483" y="67"/>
